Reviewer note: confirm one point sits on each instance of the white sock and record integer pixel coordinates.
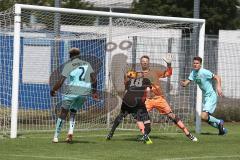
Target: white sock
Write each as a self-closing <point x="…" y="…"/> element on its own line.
<point x="71" y="123"/>
<point x="59" y="125"/>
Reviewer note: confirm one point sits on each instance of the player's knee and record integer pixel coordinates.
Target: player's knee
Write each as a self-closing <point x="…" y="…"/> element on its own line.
<point x="119" y="118"/>
<point x="204" y="117"/>
<point x="63" y="113"/>
<point x="140" y="126"/>
<point x="174" y="118"/>
<point x="73" y="111"/>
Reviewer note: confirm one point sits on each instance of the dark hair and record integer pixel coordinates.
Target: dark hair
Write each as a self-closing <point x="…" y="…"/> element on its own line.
<point x="144" y="56"/>
<point x="198" y="59"/>
<point x="74" y="52"/>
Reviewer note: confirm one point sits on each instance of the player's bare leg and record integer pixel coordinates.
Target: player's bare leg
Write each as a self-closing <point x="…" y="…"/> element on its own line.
<point x="60" y="121"/>
<point x="181" y="125"/>
<point x="141" y="127"/>
<point x="71" y="125"/>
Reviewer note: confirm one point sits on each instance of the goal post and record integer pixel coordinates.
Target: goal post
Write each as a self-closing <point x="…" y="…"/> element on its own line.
<point x="199" y="92"/>
<point x="15" y="72"/>
<point x="117" y="45"/>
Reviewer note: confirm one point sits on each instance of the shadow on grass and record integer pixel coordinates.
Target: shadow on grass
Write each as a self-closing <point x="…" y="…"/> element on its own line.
<point x="76" y="142"/>
<point x="209" y="134"/>
<point x="155" y="137"/>
<point x="162" y="137"/>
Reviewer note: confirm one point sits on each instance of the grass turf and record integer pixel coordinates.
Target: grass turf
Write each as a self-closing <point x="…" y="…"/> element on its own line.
<point x="91" y="145"/>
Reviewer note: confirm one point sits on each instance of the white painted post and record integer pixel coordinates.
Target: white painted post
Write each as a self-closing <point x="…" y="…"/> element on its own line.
<point x="199" y="92"/>
<point x="109" y="61"/>
<point x="15" y="72"/>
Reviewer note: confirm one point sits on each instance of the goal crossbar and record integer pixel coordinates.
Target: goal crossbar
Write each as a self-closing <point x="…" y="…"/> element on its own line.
<point x="108" y="14"/>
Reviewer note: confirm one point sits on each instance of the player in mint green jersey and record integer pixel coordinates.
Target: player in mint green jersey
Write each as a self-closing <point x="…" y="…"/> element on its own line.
<point x="80" y="81"/>
<point x="204" y="78"/>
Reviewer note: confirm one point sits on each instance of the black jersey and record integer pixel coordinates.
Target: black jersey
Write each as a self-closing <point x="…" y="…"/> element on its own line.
<point x="135" y="91"/>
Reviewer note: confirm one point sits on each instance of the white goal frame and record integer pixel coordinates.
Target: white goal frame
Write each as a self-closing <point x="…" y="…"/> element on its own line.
<point x="16" y="51"/>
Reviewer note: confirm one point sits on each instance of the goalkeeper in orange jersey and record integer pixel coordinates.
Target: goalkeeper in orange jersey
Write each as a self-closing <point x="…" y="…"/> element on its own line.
<point x="157" y="99"/>
<point x="133" y="103"/>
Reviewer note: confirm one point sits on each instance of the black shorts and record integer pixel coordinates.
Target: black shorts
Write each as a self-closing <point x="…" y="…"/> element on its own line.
<point x="139" y="112"/>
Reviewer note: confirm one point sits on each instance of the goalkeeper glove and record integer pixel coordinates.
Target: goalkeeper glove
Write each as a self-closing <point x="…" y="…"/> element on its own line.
<point x="168" y="59"/>
<point x="132" y="74"/>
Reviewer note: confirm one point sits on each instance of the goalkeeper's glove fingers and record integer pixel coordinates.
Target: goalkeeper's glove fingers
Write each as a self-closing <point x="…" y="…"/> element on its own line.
<point x="168" y="58"/>
<point x="131" y="74"/>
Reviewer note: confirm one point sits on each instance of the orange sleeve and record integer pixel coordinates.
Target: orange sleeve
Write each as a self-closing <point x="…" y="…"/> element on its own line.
<point x="168" y="72"/>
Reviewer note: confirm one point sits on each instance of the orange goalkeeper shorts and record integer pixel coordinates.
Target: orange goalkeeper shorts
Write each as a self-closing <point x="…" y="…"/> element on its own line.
<point x="159" y="103"/>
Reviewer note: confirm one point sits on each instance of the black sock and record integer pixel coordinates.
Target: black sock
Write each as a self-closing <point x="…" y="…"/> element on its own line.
<point x="116" y="122"/>
<point x="147" y="128"/>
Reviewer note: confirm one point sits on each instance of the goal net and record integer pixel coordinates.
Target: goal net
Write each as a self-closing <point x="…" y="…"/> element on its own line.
<point x="111" y="42"/>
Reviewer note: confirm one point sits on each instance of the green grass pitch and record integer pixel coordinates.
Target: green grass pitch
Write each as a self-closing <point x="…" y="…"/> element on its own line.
<point x="91" y="145"/>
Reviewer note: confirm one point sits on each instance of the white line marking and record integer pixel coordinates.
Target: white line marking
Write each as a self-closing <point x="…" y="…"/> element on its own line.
<point x="44" y="157"/>
<point x="77" y="158"/>
<point x="203" y="157"/>
<point x="104" y="135"/>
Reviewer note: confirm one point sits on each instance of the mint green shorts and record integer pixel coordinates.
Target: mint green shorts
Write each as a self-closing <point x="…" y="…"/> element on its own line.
<point x="210" y="103"/>
<point x="73" y="102"/>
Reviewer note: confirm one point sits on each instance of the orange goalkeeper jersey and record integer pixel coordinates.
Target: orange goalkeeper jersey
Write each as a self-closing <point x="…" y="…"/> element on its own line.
<point x="154" y="75"/>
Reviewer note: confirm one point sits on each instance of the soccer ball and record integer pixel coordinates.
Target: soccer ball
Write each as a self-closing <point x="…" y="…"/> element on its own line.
<point x="132" y="74"/>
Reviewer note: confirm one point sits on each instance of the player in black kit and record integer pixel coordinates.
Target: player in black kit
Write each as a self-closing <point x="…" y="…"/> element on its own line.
<point x="136" y="90"/>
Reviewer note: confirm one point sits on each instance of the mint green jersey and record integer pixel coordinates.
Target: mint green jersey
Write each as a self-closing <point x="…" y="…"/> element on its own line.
<point x="78" y="77"/>
<point x="204" y="79"/>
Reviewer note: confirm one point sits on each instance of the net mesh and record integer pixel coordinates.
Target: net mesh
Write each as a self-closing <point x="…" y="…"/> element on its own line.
<point x="112" y="45"/>
<point x="6" y="50"/>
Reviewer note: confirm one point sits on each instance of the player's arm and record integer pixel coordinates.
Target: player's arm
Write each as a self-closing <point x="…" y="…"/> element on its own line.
<point x="185" y="83"/>
<point x="93" y="82"/>
<point x="168" y="59"/>
<point x="57" y="85"/>
<point x="218" y="85"/>
<point x="93" y="77"/>
<point x="168" y="71"/>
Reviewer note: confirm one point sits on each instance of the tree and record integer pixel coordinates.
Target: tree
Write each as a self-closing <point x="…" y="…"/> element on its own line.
<point x="5" y="4"/>
<point x="219" y="14"/>
<point x="77" y="4"/>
